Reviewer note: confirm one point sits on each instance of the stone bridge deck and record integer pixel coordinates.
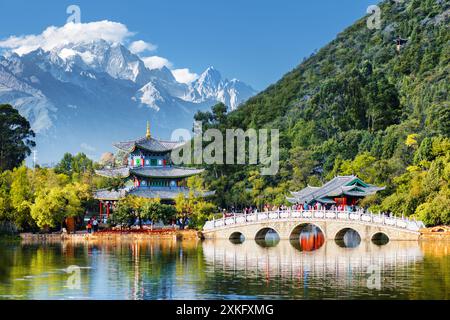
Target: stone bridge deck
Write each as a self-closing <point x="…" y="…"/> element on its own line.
<point x="333" y="224"/>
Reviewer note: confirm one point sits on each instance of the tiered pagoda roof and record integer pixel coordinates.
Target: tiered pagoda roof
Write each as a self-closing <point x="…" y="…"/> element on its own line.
<point x="148" y="143"/>
<point x="339" y="186"/>
<point x="165" y="193"/>
<point x="150" y="172"/>
<point x="153" y="193"/>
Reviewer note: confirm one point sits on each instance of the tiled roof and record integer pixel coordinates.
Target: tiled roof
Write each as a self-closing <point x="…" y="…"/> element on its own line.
<point x="111" y="195"/>
<point x="150" y="144"/>
<point x="336" y="187"/>
<point x="114" y="173"/>
<point x="164" y="193"/>
<point x="165" y="172"/>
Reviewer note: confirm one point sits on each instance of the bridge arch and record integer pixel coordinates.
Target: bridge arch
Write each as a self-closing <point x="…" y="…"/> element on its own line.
<point x="380" y="238"/>
<point x="237" y="237"/>
<point x="288" y="225"/>
<point x="307" y="236"/>
<point x="267" y="236"/>
<point x="297" y="229"/>
<point x="348" y="237"/>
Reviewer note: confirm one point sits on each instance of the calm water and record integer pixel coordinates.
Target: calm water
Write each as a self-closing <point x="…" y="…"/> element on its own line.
<point x="223" y="270"/>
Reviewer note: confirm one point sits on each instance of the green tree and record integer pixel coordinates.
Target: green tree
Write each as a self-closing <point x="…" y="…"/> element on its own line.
<point x="193" y="206"/>
<point x="53" y="206"/>
<point x="22" y="197"/>
<point x="16" y="138"/>
<point x="5" y="199"/>
<point x="156" y="211"/>
<point x="123" y="214"/>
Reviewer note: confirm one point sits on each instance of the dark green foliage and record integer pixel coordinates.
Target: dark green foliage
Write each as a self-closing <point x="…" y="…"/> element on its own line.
<point x="16" y="138"/>
<point x="355" y="96"/>
<point x="78" y="164"/>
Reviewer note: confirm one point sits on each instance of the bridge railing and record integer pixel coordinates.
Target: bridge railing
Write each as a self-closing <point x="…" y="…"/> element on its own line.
<point x="370" y="218"/>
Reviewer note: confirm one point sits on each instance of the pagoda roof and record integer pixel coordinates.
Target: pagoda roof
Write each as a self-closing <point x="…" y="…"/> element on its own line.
<point x="150" y="172"/>
<point x="110" y="195"/>
<point x="149" y="144"/>
<point x="123" y="172"/>
<point x="165" y="172"/>
<point x="339" y="186"/>
<point x="165" y="193"/>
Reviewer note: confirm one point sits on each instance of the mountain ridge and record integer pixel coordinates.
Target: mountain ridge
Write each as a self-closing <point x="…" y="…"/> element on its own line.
<point x="102" y="80"/>
<point x="360" y="105"/>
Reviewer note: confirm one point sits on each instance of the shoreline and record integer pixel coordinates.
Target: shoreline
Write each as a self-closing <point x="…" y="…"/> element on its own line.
<point x="178" y="235"/>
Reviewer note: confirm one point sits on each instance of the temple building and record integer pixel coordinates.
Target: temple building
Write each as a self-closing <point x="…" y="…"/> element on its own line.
<point x="341" y="191"/>
<point x="148" y="172"/>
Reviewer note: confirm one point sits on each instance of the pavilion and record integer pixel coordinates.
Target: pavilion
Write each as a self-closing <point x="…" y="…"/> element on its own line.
<point x="147" y="171"/>
<point x="341" y="191"/>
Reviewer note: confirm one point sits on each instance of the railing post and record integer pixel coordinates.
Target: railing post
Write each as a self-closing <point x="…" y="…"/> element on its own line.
<point x="234" y="217"/>
<point x="214" y="221"/>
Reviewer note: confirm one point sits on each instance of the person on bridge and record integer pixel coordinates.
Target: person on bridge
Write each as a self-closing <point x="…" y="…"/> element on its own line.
<point x="306" y="206"/>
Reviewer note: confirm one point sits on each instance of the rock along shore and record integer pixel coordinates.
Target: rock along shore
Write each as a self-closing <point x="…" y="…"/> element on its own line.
<point x="112" y="236"/>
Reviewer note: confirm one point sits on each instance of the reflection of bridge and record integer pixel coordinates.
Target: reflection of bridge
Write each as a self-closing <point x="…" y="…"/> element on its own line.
<point x="333" y="224"/>
<point x="330" y="260"/>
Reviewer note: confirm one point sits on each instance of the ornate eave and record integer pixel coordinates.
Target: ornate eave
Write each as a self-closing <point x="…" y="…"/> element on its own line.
<point x="165" y="172"/>
<point x="149" y="144"/>
<point x="123" y="172"/>
<point x="165" y="193"/>
<point x="337" y="187"/>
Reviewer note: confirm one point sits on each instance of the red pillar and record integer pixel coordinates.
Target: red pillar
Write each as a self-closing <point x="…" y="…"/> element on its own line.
<point x="101" y="208"/>
<point x="107" y="210"/>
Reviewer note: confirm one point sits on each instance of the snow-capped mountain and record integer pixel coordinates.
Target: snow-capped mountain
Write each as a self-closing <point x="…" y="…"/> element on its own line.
<point x="84" y="96"/>
<point x="211" y="85"/>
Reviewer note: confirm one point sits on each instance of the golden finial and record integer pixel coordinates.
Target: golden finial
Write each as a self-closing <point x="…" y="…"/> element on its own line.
<point x="148" y="135"/>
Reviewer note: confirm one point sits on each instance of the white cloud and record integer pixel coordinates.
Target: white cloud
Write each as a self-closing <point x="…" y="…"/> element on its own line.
<point x="87" y="147"/>
<point x="70" y="33"/>
<point x="184" y="75"/>
<point x="115" y="32"/>
<point x="156" y="62"/>
<point x="140" y="46"/>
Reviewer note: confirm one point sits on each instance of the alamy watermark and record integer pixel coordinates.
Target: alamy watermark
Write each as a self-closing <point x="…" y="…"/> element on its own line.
<point x="374" y="20"/>
<point x="75" y="14"/>
<point x="230" y="148"/>
<point x="374" y="279"/>
<point x="74" y="280"/>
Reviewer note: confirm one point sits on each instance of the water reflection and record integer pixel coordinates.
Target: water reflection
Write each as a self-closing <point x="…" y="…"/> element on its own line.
<point x="348" y="238"/>
<point x="285" y="259"/>
<point x="307" y="237"/>
<point x="267" y="237"/>
<point x="220" y="269"/>
<point x="380" y="239"/>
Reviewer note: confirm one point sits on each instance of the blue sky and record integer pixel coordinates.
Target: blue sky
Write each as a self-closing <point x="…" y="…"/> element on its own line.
<point x="255" y="41"/>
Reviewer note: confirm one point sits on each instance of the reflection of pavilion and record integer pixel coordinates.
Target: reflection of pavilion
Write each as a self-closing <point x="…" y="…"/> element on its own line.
<point x="285" y="261"/>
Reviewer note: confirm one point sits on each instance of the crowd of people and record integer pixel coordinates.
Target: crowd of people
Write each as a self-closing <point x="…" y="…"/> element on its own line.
<point x="92" y="225"/>
<point x="301" y="207"/>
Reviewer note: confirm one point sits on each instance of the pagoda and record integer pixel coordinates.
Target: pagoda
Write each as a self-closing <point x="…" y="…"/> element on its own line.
<point x="148" y="172"/>
<point x="341" y="191"/>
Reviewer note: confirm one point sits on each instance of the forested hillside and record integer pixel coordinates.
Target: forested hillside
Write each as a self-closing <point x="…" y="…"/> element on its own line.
<point x="358" y="106"/>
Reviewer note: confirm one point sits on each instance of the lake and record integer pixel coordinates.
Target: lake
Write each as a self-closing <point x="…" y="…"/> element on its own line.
<point x="170" y="269"/>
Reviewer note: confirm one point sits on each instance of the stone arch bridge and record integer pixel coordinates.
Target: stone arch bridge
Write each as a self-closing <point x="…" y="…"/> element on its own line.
<point x="333" y="224"/>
